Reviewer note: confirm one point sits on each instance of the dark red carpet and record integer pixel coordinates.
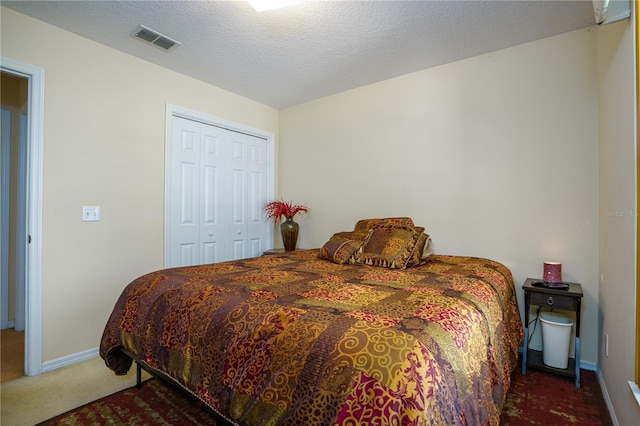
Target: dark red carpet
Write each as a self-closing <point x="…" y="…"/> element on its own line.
<point x="536" y="398"/>
<point x="540" y="398"/>
<point x="155" y="403"/>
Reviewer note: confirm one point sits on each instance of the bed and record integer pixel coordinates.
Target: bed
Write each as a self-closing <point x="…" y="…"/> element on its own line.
<point x="365" y="330"/>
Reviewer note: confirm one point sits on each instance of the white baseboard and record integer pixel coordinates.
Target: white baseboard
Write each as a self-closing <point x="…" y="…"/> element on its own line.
<point x="635" y="390"/>
<point x="607" y="400"/>
<point x="69" y="359"/>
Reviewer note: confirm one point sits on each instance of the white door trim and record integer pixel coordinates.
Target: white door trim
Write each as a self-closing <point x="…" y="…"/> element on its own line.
<point x="21" y="222"/>
<point x="33" y="278"/>
<point x="177" y="111"/>
<point x="4" y="217"/>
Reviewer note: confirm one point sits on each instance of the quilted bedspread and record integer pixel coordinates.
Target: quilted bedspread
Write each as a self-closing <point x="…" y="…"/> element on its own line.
<point x="294" y="339"/>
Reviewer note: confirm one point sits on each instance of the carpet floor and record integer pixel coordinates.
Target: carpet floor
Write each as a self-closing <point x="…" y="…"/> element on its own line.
<point x="540" y="398"/>
<point x="537" y="398"/>
<point x="11" y="354"/>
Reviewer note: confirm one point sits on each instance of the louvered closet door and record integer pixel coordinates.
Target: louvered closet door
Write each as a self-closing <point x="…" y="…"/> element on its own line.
<point x="218" y="188"/>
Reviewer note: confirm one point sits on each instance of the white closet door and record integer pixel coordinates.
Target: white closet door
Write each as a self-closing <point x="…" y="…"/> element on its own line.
<point x="237" y="195"/>
<point x="185" y="153"/>
<point x="212" y="206"/>
<point x="218" y="187"/>
<point x="248" y="195"/>
<point x="258" y="227"/>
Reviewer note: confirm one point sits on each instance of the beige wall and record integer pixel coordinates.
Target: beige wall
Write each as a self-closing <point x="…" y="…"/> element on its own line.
<point x="618" y="215"/>
<point x="497" y="156"/>
<point x="104" y="124"/>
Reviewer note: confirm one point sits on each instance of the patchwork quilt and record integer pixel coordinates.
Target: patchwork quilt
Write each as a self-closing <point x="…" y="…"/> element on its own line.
<point x="297" y="339"/>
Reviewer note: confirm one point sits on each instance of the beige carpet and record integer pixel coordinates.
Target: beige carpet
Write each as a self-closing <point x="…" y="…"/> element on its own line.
<point x="11" y="354"/>
<point x="30" y="400"/>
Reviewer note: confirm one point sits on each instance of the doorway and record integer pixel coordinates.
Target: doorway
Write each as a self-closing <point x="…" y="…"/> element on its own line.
<point x="20" y="209"/>
<point x="14" y="102"/>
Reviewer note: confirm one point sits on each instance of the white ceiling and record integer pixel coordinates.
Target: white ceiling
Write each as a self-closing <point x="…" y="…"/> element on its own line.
<point x="303" y="52"/>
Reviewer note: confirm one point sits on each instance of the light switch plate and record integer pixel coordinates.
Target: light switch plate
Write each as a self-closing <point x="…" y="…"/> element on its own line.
<point x="90" y="213"/>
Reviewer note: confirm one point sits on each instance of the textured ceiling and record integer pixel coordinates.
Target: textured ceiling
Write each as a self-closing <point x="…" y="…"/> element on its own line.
<point x="314" y="49"/>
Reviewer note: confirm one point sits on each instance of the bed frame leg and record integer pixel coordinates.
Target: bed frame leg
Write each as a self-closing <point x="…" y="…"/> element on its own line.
<point x="138" y="376"/>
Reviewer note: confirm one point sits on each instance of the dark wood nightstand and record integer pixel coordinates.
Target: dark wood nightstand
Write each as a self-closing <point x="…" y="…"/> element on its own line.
<point x="274" y="251"/>
<point x="568" y="300"/>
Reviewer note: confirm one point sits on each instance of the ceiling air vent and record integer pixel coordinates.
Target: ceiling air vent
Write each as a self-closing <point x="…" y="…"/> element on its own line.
<point x="155" y="38"/>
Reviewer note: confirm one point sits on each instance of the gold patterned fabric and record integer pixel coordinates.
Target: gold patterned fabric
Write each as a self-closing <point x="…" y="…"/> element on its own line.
<point x="384" y="223"/>
<point x="395" y="248"/>
<point x="392" y="242"/>
<point x="343" y="246"/>
<point x="293" y="339"/>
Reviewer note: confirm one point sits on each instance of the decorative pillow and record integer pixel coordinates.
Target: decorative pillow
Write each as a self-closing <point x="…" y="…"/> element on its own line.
<point x="421" y="240"/>
<point x="385" y="223"/>
<point x="360" y="235"/>
<point x="388" y="248"/>
<point x="428" y="248"/>
<point x="343" y="246"/>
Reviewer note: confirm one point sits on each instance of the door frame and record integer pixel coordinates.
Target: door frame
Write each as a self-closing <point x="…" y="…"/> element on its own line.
<point x="21" y="222"/>
<point x="33" y="222"/>
<point x="5" y="117"/>
<point x="178" y="111"/>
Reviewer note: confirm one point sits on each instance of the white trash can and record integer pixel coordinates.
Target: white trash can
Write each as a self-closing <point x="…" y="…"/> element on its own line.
<point x="556" y="339"/>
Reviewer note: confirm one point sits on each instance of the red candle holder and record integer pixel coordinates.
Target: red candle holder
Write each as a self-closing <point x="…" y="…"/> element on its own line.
<point x="552" y="272"/>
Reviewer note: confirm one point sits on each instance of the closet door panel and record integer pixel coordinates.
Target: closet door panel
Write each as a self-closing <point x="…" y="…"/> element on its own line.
<point x="185" y="193"/>
<point x="258" y="227"/>
<point x="218" y="190"/>
<point x="238" y="165"/>
<point x="212" y="231"/>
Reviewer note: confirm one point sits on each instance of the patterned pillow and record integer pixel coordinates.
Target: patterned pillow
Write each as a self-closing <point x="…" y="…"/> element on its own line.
<point x="385" y="223"/>
<point x="360" y="235"/>
<point x="388" y="248"/>
<point x="421" y="240"/>
<point x="428" y="248"/>
<point x="343" y="246"/>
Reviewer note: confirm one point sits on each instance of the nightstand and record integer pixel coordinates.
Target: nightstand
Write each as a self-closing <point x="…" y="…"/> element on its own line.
<point x="273" y="251"/>
<point x="567" y="300"/>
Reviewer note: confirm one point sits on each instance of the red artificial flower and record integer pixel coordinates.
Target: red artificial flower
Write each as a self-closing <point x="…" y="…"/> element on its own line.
<point x="276" y="209"/>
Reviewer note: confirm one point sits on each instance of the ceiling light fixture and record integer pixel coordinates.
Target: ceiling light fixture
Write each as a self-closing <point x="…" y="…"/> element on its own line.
<point x="263" y="5"/>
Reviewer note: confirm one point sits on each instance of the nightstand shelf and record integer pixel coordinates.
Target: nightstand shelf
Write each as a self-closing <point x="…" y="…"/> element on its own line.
<point x="568" y="300"/>
<point x="534" y="360"/>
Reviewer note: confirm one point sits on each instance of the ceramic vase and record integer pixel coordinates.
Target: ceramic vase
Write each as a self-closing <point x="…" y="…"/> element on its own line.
<point x="289" y="232"/>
